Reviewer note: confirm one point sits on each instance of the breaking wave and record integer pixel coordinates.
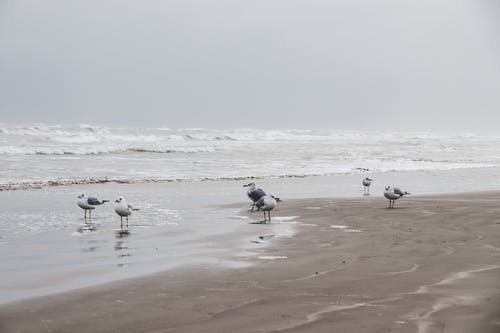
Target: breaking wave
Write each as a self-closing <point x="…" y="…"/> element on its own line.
<point x="41" y="155"/>
<point x="98" y="150"/>
<point x="104" y="180"/>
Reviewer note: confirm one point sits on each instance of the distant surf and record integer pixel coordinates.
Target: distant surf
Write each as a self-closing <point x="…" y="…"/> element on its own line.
<point x="39" y="155"/>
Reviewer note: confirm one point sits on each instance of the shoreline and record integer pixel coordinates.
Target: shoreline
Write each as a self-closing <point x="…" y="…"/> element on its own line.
<point x="355" y="173"/>
<point x="353" y="266"/>
<point x="43" y="238"/>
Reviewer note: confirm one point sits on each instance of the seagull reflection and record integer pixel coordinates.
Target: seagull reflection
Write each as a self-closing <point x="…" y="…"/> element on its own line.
<point x="122" y="233"/>
<point x="87" y="227"/>
<point x="91" y="245"/>
<point x="121" y="247"/>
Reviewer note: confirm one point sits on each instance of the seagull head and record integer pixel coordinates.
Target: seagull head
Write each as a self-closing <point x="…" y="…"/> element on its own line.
<point x="120" y="199"/>
<point x="276" y="198"/>
<point x="249" y="185"/>
<point x="81" y="196"/>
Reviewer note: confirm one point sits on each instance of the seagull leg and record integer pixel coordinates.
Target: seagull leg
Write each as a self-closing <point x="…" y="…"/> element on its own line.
<point x="121" y="222"/>
<point x="127" y="221"/>
<point x="269" y="214"/>
<point x="90" y="215"/>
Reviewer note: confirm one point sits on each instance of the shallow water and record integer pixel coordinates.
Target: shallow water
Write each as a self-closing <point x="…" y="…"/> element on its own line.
<point x="46" y="246"/>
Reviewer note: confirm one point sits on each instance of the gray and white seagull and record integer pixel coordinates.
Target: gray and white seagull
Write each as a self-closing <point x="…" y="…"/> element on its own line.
<point x="393" y="194"/>
<point x="267" y="204"/>
<point x="89" y="203"/>
<point x="366" y="183"/>
<point x="254" y="193"/>
<point x="123" y="209"/>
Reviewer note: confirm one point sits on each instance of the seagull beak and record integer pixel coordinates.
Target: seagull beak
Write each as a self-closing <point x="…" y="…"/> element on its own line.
<point x="245" y="185"/>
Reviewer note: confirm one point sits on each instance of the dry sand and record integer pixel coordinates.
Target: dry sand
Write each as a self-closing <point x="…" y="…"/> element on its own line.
<point x="432" y="264"/>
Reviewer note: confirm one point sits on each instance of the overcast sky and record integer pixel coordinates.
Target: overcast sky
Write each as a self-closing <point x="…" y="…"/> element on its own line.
<point x="346" y="64"/>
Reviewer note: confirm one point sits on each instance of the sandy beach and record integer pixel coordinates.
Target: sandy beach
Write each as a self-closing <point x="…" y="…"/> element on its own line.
<point x="135" y="137"/>
<point x="429" y="265"/>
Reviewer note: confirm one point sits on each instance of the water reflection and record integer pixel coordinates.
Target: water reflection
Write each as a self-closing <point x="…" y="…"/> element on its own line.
<point x="121" y="246"/>
<point x="122" y="233"/>
<point x="87" y="227"/>
<point x="91" y="244"/>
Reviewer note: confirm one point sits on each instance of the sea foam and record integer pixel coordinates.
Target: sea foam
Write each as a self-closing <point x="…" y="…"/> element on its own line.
<point x="44" y="155"/>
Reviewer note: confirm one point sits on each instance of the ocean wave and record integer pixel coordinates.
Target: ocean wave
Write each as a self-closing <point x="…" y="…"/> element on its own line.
<point x="176" y="150"/>
<point x="85" y="133"/>
<point x="23" y="185"/>
<point x="135" y="154"/>
<point x="87" y="181"/>
<point x="99" y="150"/>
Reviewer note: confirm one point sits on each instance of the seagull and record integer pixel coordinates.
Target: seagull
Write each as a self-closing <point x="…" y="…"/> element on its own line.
<point x="267" y="204"/>
<point x="393" y="194"/>
<point x="88" y="203"/>
<point x="254" y="194"/>
<point x="123" y="209"/>
<point x="366" y="183"/>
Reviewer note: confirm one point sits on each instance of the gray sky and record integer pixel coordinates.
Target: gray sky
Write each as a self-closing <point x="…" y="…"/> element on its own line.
<point x="347" y="64"/>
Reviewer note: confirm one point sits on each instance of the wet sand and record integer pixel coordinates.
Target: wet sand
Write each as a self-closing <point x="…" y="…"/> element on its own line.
<point x="432" y="264"/>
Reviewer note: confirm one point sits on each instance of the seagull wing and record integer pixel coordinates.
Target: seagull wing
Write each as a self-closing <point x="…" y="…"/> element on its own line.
<point x="260" y="203"/>
<point x="398" y="191"/>
<point x="132" y="207"/>
<point x="256" y="194"/>
<point x="93" y="201"/>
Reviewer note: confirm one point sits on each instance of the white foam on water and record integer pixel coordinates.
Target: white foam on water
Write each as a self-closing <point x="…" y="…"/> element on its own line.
<point x="195" y="154"/>
<point x="285" y="218"/>
<point x="238" y="217"/>
<point x="308" y="224"/>
<point x="336" y="226"/>
<point x="272" y="257"/>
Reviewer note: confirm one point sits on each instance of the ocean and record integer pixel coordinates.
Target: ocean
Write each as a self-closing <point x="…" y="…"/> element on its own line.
<point x="187" y="184"/>
<point x="40" y="155"/>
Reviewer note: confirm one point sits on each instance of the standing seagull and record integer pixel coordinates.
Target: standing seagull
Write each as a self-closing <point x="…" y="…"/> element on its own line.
<point x="123" y="209"/>
<point x="393" y="194"/>
<point x="88" y="203"/>
<point x="366" y="183"/>
<point x="267" y="204"/>
<point x="254" y="194"/>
